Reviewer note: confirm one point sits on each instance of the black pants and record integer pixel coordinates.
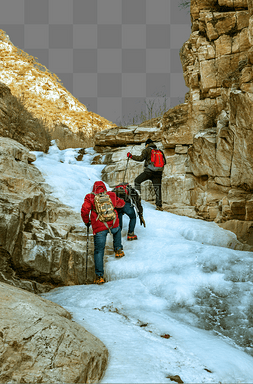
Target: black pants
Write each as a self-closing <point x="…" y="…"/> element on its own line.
<point x="156" y="178"/>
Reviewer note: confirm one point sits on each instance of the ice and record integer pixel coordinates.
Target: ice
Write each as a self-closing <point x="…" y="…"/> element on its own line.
<point x="70" y="178"/>
<point x="180" y="278"/>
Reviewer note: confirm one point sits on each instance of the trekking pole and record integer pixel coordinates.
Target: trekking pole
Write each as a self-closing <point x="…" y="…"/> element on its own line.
<point x="126" y="166"/>
<point x="87" y="250"/>
<point x="126" y="169"/>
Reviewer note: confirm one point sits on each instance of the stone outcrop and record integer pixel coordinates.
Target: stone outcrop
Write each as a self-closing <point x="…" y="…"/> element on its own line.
<point x="207" y="140"/>
<point x="42" y="241"/>
<point x="120" y="136"/>
<point x="39" y="343"/>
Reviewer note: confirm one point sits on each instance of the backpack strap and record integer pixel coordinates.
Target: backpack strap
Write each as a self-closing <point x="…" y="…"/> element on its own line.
<point x="107" y="226"/>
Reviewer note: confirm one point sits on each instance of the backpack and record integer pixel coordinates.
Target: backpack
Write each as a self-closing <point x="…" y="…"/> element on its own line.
<point x="126" y="192"/>
<point x="122" y="189"/>
<point x="157" y="159"/>
<point x="104" y="208"/>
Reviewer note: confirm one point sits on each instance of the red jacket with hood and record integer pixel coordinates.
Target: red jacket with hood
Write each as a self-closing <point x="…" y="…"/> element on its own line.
<point x="89" y="205"/>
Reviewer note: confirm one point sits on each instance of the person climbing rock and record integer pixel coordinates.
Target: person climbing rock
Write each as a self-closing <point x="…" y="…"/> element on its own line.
<point x="132" y="199"/>
<point x="153" y="169"/>
<point x="104" y="219"/>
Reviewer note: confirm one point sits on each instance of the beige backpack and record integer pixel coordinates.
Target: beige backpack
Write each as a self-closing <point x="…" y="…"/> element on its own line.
<point x="104" y="208"/>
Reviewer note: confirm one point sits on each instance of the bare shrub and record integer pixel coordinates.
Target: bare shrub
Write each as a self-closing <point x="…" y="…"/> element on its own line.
<point x="24" y="127"/>
<point x="154" y="108"/>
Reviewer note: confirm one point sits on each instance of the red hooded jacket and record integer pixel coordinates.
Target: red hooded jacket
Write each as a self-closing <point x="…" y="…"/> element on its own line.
<point x="89" y="205"/>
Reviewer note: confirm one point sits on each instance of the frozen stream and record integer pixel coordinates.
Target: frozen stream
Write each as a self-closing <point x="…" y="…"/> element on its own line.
<point x="179" y="303"/>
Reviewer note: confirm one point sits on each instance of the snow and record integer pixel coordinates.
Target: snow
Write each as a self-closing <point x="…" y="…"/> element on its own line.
<point x="6" y="46"/>
<point x="180" y="278"/>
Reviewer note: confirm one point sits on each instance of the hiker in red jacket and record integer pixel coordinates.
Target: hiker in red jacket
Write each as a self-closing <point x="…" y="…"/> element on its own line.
<point x="102" y="228"/>
<point x="151" y="171"/>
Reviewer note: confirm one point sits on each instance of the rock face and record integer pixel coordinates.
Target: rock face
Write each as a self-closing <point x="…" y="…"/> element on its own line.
<point x="39" y="343"/>
<point x="208" y="139"/>
<point x="42" y="242"/>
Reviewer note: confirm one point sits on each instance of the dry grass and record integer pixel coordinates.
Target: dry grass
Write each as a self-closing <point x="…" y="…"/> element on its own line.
<point x="24" y="127"/>
<point x="43" y="93"/>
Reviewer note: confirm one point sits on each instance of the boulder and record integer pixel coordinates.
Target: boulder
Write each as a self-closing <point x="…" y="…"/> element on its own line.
<point x="8" y="276"/>
<point x="39" y="343"/>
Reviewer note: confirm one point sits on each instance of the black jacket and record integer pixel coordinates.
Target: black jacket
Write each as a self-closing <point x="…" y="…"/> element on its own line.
<point x="146" y="155"/>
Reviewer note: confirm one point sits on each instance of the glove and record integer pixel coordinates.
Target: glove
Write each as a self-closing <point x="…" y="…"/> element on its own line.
<point x="88" y="224"/>
<point x="129" y="155"/>
<point x="142" y="221"/>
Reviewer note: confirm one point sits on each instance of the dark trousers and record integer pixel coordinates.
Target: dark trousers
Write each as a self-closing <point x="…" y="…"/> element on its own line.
<point x="128" y="209"/>
<point x="156" y="178"/>
<point x="99" y="247"/>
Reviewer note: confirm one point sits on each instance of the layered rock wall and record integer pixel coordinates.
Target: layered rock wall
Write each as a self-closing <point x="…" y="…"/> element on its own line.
<point x="207" y="140"/>
<point x="42" y="242"/>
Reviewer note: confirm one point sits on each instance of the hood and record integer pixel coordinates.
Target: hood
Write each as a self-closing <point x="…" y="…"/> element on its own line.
<point x="99" y="187"/>
<point x="152" y="145"/>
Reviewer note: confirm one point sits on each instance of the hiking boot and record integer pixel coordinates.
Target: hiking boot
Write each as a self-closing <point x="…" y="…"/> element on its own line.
<point x="159" y="208"/>
<point x="119" y="253"/>
<point x="131" y="236"/>
<point x="99" y="280"/>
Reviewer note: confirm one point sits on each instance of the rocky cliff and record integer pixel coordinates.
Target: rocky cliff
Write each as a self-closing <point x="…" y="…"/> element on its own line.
<point x="65" y="118"/>
<point x="207" y="139"/>
<point x="42" y="241"/>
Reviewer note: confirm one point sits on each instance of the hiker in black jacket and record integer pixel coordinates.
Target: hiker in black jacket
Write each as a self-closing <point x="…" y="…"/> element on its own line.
<point x="132" y="199"/>
<point x="151" y="172"/>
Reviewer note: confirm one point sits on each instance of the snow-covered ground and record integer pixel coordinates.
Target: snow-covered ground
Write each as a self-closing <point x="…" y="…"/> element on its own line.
<point x="179" y="303"/>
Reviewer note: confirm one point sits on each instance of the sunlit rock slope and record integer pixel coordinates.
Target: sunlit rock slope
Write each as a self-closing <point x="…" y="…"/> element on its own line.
<point x="47" y="98"/>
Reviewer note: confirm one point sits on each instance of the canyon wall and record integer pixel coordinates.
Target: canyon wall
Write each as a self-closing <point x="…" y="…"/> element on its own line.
<point x="207" y="140"/>
<point x="42" y="241"/>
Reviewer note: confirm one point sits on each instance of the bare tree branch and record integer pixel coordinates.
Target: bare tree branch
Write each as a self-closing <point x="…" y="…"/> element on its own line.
<point x="185" y="4"/>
